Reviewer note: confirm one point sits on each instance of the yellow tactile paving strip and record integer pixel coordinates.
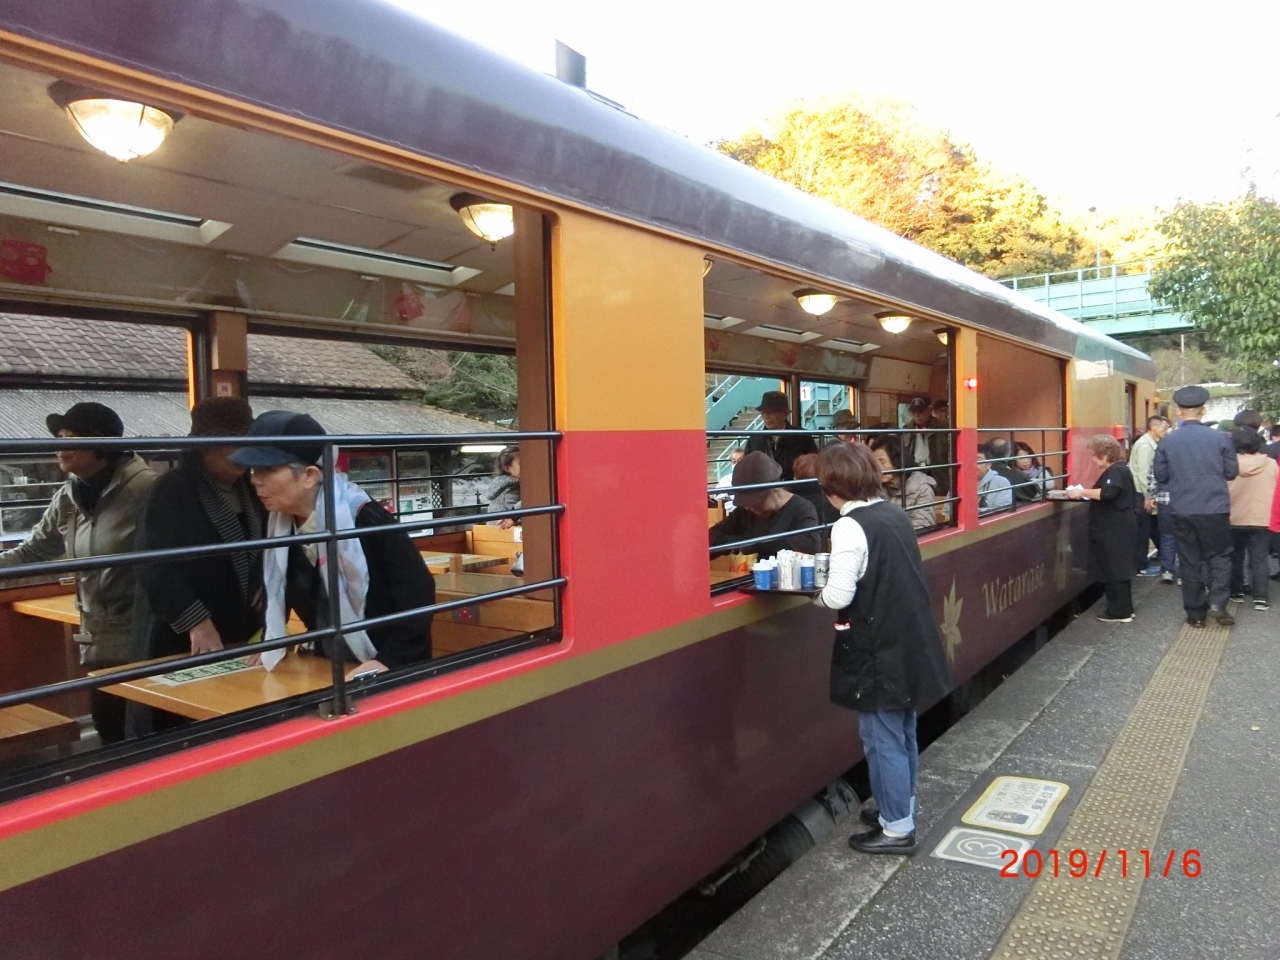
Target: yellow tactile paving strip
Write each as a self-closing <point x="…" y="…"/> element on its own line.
<point x="1122" y="809"/>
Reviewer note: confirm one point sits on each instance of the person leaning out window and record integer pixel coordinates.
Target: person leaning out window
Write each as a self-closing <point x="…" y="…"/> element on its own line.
<point x="379" y="573"/>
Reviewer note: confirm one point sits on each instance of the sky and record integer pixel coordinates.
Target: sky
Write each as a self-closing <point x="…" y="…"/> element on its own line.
<point x="1123" y="105"/>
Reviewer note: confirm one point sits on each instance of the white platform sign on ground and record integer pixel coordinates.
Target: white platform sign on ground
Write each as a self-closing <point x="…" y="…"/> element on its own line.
<point x="980" y="847"/>
<point x="1017" y="805"/>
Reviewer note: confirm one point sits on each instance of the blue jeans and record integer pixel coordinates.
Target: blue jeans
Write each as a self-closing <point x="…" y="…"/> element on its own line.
<point x="1168" y="542"/>
<point x="889" y="743"/>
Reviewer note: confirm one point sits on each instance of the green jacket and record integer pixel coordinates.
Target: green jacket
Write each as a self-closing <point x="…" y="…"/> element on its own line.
<point x="104" y="597"/>
<point x="1141" y="457"/>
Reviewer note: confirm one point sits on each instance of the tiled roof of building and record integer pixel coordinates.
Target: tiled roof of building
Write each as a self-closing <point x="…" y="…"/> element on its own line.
<point x="70" y="347"/>
<point x="165" y="414"/>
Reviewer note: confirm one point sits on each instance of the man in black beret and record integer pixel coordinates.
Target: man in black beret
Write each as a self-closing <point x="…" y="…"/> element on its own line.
<point x="764" y="513"/>
<point x="775" y="411"/>
<point x="1193" y="464"/>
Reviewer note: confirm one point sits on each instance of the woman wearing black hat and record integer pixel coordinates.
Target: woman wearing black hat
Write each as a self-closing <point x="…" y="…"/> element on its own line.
<point x="211" y="602"/>
<point x="94" y="513"/>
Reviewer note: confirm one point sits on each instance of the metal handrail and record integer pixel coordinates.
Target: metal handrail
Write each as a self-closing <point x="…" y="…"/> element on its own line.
<point x="330" y="536"/>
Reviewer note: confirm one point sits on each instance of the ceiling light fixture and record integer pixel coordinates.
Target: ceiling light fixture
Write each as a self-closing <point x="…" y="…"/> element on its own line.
<point x="815" y="302"/>
<point x="706" y="265"/>
<point x="943" y="335"/>
<point x="894" y="323"/>
<point x="123" y="129"/>
<point x="490" y="220"/>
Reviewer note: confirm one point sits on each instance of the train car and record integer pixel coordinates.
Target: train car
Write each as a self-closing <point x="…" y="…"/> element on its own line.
<point x="594" y="737"/>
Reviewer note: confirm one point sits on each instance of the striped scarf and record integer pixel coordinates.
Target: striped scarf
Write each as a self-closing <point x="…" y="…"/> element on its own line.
<point x="228" y="524"/>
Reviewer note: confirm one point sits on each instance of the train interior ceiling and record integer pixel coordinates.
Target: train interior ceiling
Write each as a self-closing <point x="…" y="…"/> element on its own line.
<point x="317" y="256"/>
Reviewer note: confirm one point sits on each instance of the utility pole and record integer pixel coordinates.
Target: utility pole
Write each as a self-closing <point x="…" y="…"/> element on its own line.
<point x="1097" y="244"/>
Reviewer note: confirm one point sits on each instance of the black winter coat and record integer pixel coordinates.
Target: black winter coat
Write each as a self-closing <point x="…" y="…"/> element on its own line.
<point x="890" y="655"/>
<point x="174" y="596"/>
<point x="1113" y="527"/>
<point x="398" y="580"/>
<point x="783" y="449"/>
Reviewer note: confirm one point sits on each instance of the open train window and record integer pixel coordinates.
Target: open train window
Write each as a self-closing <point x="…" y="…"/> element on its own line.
<point x="376" y="300"/>
<point x="843" y="375"/>
<point x="1021" y="426"/>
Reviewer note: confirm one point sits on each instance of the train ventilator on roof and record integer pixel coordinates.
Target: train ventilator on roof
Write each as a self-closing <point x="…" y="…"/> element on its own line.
<point x="119" y="128"/>
<point x="815" y="301"/>
<point x="489" y="220"/>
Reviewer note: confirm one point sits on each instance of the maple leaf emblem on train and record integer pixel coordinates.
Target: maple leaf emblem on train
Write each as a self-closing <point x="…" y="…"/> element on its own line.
<point x="951" y="607"/>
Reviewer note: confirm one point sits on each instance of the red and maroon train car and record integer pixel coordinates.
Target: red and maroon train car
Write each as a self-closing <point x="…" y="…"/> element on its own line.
<point x="576" y="756"/>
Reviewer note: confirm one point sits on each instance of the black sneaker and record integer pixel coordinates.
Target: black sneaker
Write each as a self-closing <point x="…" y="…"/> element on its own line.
<point x="1224" y="619"/>
<point x="1166" y="577"/>
<point x="1107" y="618"/>
<point x="1237" y="597"/>
<point x="1193" y="621"/>
<point x="1261" y="605"/>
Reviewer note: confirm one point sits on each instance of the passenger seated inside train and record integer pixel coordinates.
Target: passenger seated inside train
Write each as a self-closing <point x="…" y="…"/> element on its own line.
<point x="995" y="493"/>
<point x="806" y="468"/>
<point x="762" y="513"/>
<point x="1031" y="465"/>
<point x="94" y="513"/>
<point x="844" y="423"/>
<point x="917" y="499"/>
<point x="1024" y="490"/>
<point x="379" y="573"/>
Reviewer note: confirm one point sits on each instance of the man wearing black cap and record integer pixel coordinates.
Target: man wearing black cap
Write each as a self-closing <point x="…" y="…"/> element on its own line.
<point x="94" y="513"/>
<point x="763" y="513"/>
<point x="774" y="411"/>
<point x="379" y="572"/>
<point x="1193" y="465"/>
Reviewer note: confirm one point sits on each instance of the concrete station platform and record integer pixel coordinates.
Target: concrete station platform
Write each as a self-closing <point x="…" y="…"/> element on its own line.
<point x="1168" y="739"/>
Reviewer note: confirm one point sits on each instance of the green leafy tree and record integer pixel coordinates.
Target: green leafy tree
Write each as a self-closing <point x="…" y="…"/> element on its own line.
<point x="1222" y="269"/>
<point x="878" y="160"/>
<point x="481" y="385"/>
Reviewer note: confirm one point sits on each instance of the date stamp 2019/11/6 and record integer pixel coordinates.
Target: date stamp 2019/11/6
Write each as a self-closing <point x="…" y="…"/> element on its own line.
<point x="1076" y="863"/>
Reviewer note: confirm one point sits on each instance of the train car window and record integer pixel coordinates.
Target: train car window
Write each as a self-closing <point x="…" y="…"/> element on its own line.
<point x="142" y="600"/>
<point x="1022" y="434"/>
<point x="833" y="376"/>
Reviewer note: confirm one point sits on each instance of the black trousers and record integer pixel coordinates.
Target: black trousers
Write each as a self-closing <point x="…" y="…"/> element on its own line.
<point x="1204" y="561"/>
<point x="1255" y="542"/>
<point x="1119" y="595"/>
<point x="1146" y="533"/>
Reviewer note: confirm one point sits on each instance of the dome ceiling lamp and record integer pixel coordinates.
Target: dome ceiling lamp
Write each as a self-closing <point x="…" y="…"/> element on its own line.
<point x="894" y="323"/>
<point x="943" y="335"/>
<point x="122" y="129"/>
<point x="815" y="302"/>
<point x="490" y="220"/>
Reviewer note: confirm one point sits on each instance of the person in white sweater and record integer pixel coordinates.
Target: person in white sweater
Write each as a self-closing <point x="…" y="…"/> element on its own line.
<point x="887" y="660"/>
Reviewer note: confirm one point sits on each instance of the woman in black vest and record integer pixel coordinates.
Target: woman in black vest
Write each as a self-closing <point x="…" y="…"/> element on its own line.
<point x="1113" y="528"/>
<point x="888" y="655"/>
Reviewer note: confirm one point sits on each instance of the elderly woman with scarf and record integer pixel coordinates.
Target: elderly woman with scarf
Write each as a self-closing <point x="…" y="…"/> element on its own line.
<point x="211" y="602"/>
<point x="379" y="573"/>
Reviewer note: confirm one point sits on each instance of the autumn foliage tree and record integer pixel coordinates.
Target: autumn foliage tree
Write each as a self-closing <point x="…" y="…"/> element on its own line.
<point x="878" y="160"/>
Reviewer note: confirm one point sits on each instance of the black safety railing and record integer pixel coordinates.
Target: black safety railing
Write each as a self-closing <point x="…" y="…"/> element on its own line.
<point x="906" y="493"/>
<point x="336" y="632"/>
<point x="1030" y="473"/>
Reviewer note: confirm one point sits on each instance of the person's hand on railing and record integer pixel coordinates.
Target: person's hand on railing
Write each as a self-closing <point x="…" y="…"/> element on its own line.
<point x="205" y="637"/>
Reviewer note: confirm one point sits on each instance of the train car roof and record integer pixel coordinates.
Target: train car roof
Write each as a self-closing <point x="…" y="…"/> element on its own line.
<point x="370" y="69"/>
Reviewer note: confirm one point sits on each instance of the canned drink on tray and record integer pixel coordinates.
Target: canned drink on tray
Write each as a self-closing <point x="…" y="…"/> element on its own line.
<point x="821" y="567"/>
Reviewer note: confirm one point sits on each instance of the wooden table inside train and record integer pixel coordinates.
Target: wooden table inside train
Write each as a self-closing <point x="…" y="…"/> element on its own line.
<point x="459" y="562"/>
<point x="217" y="689"/>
